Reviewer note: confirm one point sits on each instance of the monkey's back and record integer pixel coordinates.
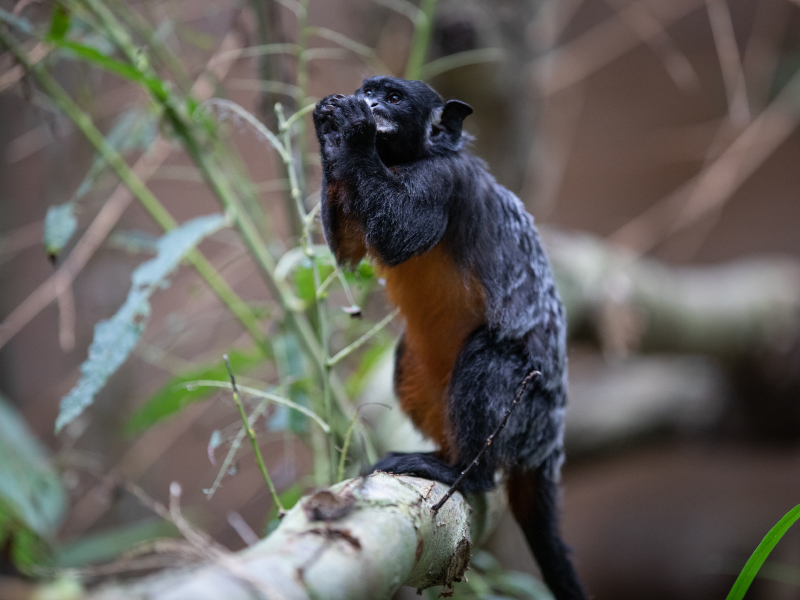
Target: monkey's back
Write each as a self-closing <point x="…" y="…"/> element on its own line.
<point x="497" y="276"/>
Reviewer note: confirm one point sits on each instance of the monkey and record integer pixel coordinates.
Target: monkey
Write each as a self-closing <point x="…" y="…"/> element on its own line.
<point x="463" y="261"/>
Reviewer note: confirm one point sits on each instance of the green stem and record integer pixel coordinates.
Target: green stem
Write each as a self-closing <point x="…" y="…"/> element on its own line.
<point x="220" y="185"/>
<point x="84" y="122"/>
<point x="251" y="434"/>
<point x="346" y="446"/>
<point x="322" y="317"/>
<point x="760" y="554"/>
<point x="289" y="163"/>
<point x="160" y="49"/>
<point x="301" y="99"/>
<point x="423" y="27"/>
<point x="364" y="338"/>
<point x="221" y="188"/>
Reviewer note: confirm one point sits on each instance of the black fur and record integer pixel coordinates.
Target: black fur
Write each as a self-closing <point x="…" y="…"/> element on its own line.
<point x="409" y="188"/>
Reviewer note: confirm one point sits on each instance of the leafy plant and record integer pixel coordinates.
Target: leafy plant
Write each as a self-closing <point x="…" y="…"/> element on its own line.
<point x="318" y="338"/>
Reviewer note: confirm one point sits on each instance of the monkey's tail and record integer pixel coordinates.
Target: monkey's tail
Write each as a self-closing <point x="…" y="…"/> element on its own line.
<point x="533" y="497"/>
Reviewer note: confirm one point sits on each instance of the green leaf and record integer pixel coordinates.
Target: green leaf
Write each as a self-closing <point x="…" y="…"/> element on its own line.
<point x="59" y="23"/>
<point x="29" y="486"/>
<point x="23" y="545"/>
<point x="174" y="395"/>
<point x="105" y="546"/>
<point x="366" y="270"/>
<point x="115" y="338"/>
<point x="96" y="57"/>
<point x="265" y="395"/>
<point x="112" y="65"/>
<point x="304" y="280"/>
<point x="59" y="227"/>
<point x="134" y="130"/>
<point x="752" y="566"/>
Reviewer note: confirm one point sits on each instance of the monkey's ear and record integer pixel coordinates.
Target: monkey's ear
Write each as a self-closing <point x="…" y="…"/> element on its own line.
<point x="453" y="114"/>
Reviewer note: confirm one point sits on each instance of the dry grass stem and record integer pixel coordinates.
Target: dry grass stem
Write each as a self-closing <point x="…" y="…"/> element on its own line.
<point x="600" y="46"/>
<point x="729" y="60"/>
<point x="718" y="181"/>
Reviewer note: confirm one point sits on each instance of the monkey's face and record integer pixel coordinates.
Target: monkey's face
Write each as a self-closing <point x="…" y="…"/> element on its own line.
<point x="403" y="111"/>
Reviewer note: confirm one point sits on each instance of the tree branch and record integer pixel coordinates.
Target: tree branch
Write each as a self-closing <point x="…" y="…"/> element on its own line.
<point x="363" y="538"/>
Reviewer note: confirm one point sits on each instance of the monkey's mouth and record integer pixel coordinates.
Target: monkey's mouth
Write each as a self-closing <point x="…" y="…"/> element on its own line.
<point x="384" y="125"/>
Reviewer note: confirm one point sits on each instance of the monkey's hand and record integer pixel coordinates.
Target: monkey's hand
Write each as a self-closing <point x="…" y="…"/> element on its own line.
<point x="346" y="120"/>
<point x="326" y="127"/>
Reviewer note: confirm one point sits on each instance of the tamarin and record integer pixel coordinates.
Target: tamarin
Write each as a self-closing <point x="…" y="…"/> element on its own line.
<point x="462" y="260"/>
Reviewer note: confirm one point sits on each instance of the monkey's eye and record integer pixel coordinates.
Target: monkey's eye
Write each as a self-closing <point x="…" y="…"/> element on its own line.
<point x="368" y="93"/>
<point x="394" y="98"/>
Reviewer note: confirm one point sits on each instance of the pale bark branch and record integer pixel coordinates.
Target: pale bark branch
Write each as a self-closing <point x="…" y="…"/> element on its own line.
<point x="390" y="537"/>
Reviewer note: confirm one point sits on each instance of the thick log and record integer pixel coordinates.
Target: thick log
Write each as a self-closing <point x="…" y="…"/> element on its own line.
<point x="363" y="538"/>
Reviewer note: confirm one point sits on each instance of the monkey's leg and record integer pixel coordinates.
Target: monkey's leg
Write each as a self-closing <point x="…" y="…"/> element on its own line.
<point x="484" y="382"/>
<point x="533" y="496"/>
<point x="487" y="374"/>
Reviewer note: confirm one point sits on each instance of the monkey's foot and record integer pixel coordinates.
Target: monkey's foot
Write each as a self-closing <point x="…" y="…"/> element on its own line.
<point x="429" y="466"/>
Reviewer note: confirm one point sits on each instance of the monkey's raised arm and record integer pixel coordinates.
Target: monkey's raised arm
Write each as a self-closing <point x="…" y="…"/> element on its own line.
<point x="402" y="210"/>
<point x="404" y="213"/>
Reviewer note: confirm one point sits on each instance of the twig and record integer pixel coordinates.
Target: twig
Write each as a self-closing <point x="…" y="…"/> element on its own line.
<point x="250" y="51"/>
<point x="17" y="72"/>
<point x="462" y="59"/>
<point x="105" y="221"/>
<point x="346" y="444"/>
<point x="261" y="394"/>
<point x="364" y="338"/>
<point x="365" y="52"/>
<point x="21" y="6"/>
<point x="252" y="436"/>
<point x="241" y="527"/>
<point x="716" y="183"/>
<point x="601" y="45"/>
<point x="552" y="149"/>
<point x="19" y="239"/>
<point x="403" y="7"/>
<point x="652" y="33"/>
<point x="719" y="16"/>
<point x="761" y="55"/>
<point x="453" y="488"/>
<point x="237" y="442"/>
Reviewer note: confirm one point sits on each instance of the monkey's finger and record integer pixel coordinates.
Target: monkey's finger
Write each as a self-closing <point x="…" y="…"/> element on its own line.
<point x="357" y="112"/>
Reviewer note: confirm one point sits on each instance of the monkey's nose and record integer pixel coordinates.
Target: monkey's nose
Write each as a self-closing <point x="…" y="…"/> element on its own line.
<point x="373" y="104"/>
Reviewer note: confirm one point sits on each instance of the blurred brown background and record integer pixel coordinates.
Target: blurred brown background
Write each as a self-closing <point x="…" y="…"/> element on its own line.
<point x="664" y="127"/>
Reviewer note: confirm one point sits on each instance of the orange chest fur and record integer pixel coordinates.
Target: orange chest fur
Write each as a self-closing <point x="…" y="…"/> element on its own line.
<point x="441" y="305"/>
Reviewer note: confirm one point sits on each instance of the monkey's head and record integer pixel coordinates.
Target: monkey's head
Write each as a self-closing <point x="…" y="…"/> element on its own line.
<point x="412" y="118"/>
